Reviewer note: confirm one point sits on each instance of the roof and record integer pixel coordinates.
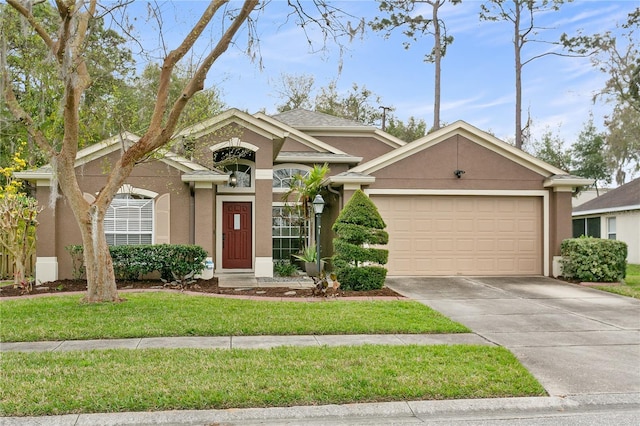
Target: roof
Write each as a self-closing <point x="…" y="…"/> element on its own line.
<point x="100" y="149"/>
<point x="624" y="197"/>
<point x="302" y="118"/>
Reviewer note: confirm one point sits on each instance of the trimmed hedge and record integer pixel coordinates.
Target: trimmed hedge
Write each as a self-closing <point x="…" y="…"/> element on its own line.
<point x="359" y="225"/>
<point x="593" y="259"/>
<point x="175" y="262"/>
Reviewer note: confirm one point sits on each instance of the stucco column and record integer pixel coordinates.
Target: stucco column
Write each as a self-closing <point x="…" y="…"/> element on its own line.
<point x="560" y="225"/>
<point x="263" y="216"/>
<point x="204" y="220"/>
<point x="46" y="254"/>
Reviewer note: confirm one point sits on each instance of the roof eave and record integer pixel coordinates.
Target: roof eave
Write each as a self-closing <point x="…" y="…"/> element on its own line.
<point x="606" y="210"/>
<point x="319" y="158"/>
<point x="564" y="181"/>
<point x="32" y="176"/>
<point x="341" y="180"/>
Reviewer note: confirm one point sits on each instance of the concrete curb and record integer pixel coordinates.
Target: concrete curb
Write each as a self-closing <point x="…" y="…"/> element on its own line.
<point x="334" y="414"/>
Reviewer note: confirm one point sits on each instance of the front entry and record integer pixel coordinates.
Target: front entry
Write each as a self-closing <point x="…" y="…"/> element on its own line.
<point x="236" y="235"/>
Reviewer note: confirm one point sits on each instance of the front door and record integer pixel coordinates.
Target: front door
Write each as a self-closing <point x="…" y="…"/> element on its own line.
<point x="236" y="235"/>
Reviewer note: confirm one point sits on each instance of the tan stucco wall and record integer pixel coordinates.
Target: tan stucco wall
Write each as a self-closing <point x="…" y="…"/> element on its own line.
<point x="434" y="168"/>
<point x="154" y="176"/>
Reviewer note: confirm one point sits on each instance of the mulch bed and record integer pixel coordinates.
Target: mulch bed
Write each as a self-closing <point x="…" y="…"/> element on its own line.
<point x="199" y="286"/>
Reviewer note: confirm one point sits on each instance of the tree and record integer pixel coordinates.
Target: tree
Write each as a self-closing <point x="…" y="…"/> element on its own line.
<point x="589" y="158"/>
<point x="67" y="44"/>
<point x="551" y="149"/>
<point x="407" y="132"/>
<point x="295" y="91"/>
<point x="356" y="105"/>
<point x="358" y="226"/>
<point x="35" y="80"/>
<point x="623" y="142"/>
<point x="18" y="213"/>
<point x="402" y="13"/>
<point x="620" y="60"/>
<point x="521" y="14"/>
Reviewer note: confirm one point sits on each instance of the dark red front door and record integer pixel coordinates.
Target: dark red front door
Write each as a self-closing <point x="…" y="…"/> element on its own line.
<point x="236" y="235"/>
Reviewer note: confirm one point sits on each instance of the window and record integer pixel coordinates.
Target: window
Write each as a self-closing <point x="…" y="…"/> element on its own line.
<point x="611" y="228"/>
<point x="589" y="227"/>
<point x="286" y="229"/>
<point x="129" y="220"/>
<point x="283" y="177"/>
<point x="242" y="175"/>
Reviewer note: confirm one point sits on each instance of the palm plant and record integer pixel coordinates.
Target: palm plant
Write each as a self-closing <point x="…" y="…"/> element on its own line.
<point x="302" y="190"/>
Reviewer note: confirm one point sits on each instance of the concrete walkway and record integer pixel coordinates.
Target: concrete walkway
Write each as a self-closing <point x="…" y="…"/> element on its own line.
<point x="246" y="342"/>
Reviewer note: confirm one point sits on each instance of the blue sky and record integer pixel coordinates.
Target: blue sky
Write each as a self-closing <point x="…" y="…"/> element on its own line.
<point x="478" y="72"/>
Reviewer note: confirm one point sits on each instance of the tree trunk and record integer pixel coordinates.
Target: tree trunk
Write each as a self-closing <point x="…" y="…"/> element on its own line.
<point x="437" y="50"/>
<point x="517" y="44"/>
<point x="101" y="281"/>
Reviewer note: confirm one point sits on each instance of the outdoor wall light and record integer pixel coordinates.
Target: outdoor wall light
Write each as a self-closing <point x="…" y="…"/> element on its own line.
<point x="459" y="173"/>
<point x="233" y="180"/>
<point x="318" y="207"/>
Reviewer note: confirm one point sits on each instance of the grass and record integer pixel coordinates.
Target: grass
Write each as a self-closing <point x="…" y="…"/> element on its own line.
<point x="143" y="380"/>
<point x="631" y="286"/>
<point x="165" y="314"/>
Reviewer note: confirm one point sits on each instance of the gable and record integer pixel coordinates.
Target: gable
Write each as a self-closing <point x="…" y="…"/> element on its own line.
<point x="434" y="166"/>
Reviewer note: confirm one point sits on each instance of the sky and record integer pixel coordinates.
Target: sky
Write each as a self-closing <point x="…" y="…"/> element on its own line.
<point x="478" y="82"/>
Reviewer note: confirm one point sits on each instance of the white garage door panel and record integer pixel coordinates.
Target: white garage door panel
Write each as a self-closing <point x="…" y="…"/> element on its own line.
<point x="463" y="235"/>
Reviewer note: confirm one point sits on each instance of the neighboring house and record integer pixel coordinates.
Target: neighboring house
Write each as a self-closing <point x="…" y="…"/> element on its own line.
<point x="588" y="195"/>
<point x="614" y="215"/>
<point x="457" y="201"/>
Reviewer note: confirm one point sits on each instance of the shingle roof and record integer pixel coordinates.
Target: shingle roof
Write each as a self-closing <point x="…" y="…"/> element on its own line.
<point x="305" y="118"/>
<point x="627" y="195"/>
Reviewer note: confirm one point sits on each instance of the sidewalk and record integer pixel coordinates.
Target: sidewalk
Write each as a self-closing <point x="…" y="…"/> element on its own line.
<point x="246" y="342"/>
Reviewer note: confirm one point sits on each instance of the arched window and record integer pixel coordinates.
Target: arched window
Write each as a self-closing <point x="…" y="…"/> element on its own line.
<point x="129" y="220"/>
<point x="238" y="162"/>
<point x="240" y="175"/>
<point x="284" y="175"/>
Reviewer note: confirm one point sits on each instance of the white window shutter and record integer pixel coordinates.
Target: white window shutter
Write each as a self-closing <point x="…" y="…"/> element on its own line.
<point x="162" y="219"/>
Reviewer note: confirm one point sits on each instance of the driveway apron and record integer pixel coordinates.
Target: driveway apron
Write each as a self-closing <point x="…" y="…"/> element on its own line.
<point x="573" y="339"/>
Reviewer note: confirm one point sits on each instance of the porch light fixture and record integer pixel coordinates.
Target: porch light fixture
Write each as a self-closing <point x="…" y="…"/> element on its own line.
<point x="318" y="207"/>
<point x="459" y="173"/>
<point x="233" y="180"/>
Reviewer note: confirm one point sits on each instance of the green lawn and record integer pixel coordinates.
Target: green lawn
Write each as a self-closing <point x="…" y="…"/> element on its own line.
<point x="176" y="379"/>
<point x="631" y="286"/>
<point x="167" y="314"/>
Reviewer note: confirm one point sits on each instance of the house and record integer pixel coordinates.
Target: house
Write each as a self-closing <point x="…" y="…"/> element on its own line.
<point x="613" y="215"/>
<point x="457" y="201"/>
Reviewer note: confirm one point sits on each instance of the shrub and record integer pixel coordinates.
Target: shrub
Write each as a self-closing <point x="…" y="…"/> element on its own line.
<point x="174" y="262"/>
<point x="593" y="259"/>
<point x="357" y="265"/>
<point x="284" y="268"/>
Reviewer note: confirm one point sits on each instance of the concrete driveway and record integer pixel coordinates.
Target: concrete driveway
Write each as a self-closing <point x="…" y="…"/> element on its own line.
<point x="573" y="339"/>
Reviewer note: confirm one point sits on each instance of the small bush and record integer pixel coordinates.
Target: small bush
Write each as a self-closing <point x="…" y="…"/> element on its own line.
<point x="363" y="278"/>
<point x="593" y="259"/>
<point x="284" y="268"/>
<point x="174" y="262"/>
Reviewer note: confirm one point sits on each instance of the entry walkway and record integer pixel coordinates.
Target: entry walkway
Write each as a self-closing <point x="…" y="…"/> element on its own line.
<point x="573" y="339"/>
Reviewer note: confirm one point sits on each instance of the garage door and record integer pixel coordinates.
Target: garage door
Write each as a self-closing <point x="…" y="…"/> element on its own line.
<point x="463" y="235"/>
